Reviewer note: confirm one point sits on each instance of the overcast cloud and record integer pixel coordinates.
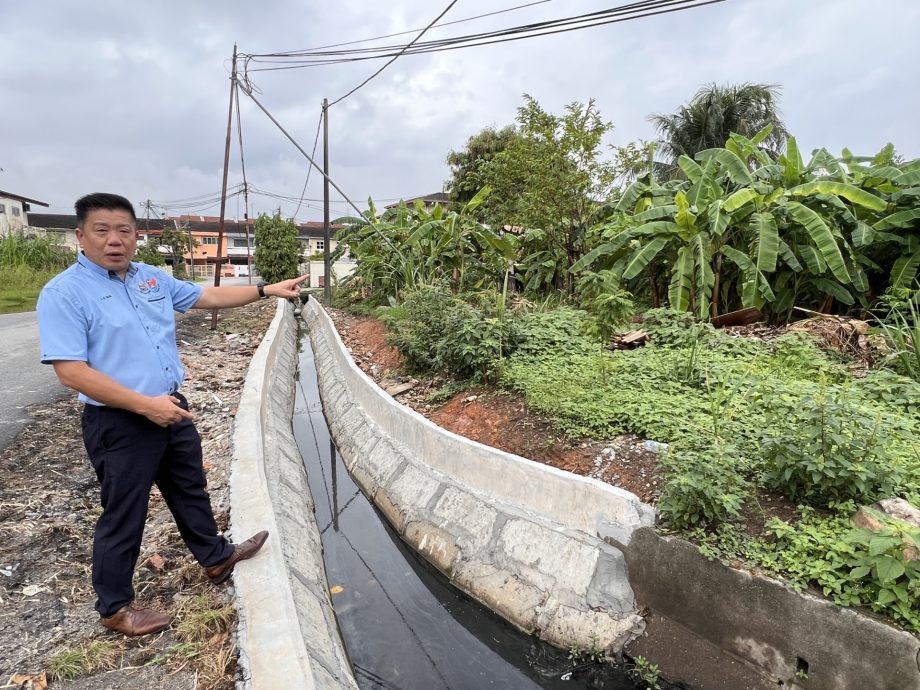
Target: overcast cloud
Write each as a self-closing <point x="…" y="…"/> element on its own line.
<point x="107" y="95"/>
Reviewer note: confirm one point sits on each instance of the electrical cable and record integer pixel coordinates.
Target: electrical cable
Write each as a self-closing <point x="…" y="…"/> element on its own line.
<point x="638" y="10"/>
<point x="310" y="167"/>
<point x="393" y="59"/>
<point x="412" y="31"/>
<point x="360" y="213"/>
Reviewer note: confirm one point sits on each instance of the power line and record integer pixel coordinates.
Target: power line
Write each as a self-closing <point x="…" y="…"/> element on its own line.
<point x="393" y="59"/>
<point x="637" y="10"/>
<point x="410" y="31"/>
<point x="277" y="124"/>
<point x="310" y="167"/>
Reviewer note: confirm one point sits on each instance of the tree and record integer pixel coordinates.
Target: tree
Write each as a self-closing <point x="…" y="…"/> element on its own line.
<point x="278" y="252"/>
<point x="466" y="164"/>
<point x="550" y="180"/>
<point x="178" y="242"/>
<point x="713" y="114"/>
<point x="747" y="229"/>
<point x="149" y="254"/>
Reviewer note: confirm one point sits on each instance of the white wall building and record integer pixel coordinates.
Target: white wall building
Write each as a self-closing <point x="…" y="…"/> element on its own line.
<point x="13" y="210"/>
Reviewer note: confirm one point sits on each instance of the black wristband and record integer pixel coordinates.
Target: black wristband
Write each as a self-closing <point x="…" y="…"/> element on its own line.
<point x="261" y="288"/>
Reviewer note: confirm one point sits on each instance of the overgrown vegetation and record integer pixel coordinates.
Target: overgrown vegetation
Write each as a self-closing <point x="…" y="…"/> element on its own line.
<point x="26" y="264"/>
<point x="524" y="284"/>
<point x="277" y="250"/>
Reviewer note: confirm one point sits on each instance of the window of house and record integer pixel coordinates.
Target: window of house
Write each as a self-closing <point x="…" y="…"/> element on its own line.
<point x="2" y="208"/>
<point x="320" y="245"/>
<point x="208" y="240"/>
<point x="15" y="210"/>
<point x="241" y="244"/>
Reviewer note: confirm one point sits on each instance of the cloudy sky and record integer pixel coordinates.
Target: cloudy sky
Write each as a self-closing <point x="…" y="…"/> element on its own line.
<point x="107" y="95"/>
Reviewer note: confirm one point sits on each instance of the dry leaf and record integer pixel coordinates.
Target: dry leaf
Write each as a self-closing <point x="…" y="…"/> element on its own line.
<point x="32" y="590"/>
<point x="156" y="562"/>
<point x="39" y="682"/>
<point x="336" y="589"/>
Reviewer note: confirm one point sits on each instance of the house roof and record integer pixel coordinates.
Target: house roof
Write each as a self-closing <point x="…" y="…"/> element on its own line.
<point x="10" y="195"/>
<point x="433" y="198"/>
<point x="209" y="224"/>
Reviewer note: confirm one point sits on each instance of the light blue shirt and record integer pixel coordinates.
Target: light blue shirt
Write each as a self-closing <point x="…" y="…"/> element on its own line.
<point x="124" y="329"/>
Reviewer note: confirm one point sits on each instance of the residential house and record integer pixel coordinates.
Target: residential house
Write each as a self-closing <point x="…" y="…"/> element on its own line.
<point x="236" y="251"/>
<point x="429" y="201"/>
<point x="14" y="210"/>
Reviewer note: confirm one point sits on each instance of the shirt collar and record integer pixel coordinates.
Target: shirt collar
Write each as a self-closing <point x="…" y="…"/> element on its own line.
<point x="86" y="262"/>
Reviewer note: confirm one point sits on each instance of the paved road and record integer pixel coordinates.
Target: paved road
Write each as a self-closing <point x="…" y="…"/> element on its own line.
<point x="24" y="380"/>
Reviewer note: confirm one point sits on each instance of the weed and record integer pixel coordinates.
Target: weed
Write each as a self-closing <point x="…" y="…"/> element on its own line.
<point x="592" y="652"/>
<point x="646" y="672"/>
<point x="82" y="661"/>
<point x="446" y="392"/>
<point x="203" y="617"/>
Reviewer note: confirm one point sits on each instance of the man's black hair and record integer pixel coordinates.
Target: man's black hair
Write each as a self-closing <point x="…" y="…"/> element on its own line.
<point x="110" y="202"/>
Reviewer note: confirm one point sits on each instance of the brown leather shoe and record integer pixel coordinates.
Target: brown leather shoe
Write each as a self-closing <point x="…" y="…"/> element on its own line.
<point x="249" y="548"/>
<point x="134" y="621"/>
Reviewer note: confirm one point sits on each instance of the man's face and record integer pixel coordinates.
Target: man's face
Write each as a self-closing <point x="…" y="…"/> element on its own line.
<point x="109" y="239"/>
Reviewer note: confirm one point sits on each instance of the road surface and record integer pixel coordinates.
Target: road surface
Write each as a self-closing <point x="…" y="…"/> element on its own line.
<point x="24" y="380"/>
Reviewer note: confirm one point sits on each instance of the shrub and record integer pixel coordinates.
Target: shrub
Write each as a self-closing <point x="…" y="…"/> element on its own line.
<point x="702" y="486"/>
<point x="668" y="328"/>
<point x="826" y="449"/>
<point x="435" y="330"/>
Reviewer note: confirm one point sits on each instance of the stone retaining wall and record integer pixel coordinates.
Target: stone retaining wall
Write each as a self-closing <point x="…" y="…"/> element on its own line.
<point x="529" y="541"/>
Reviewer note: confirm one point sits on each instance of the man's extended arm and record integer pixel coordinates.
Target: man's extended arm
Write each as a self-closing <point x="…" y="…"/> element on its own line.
<point x="163" y="409"/>
<point x="238" y="295"/>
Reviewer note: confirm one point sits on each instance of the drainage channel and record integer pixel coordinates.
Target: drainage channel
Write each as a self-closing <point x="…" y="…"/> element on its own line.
<point x="404" y="625"/>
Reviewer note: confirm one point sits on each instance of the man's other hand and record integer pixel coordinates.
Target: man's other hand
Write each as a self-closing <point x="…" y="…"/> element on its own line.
<point x="164" y="410"/>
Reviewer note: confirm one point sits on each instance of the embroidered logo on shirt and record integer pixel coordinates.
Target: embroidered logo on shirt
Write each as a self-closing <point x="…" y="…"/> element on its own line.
<point x="150" y="285"/>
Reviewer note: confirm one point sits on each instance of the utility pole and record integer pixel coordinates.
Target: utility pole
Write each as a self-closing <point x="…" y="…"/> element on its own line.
<point x="223" y="192"/>
<point x="248" y="242"/>
<point x="327" y="269"/>
<point x="191" y="247"/>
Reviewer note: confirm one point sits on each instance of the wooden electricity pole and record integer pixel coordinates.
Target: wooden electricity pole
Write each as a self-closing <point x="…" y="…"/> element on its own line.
<point x="223" y="192"/>
<point x="327" y="269"/>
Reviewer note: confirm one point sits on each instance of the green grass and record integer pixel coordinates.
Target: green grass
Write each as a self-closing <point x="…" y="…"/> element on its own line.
<point x="19" y="288"/>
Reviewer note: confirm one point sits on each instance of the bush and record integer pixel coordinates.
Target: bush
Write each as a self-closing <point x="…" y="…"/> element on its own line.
<point x="825" y="449"/>
<point x="676" y="329"/>
<point x="437" y="331"/>
<point x="702" y="486"/>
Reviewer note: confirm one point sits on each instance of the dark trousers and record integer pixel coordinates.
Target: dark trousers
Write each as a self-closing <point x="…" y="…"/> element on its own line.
<point x="130" y="453"/>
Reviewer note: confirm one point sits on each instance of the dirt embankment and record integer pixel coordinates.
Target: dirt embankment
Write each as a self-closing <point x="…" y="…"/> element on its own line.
<point x="498" y="419"/>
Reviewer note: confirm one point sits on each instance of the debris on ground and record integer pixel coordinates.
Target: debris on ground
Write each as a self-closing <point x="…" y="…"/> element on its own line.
<point x="49" y="503"/>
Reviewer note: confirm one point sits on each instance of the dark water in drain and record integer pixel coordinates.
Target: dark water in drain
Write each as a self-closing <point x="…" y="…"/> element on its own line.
<point x="403" y="624"/>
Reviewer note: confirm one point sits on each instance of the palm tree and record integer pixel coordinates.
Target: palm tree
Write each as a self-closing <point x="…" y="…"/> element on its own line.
<point x="713" y="114"/>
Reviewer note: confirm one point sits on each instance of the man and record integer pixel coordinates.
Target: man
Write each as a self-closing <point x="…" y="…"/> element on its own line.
<point x="107" y="325"/>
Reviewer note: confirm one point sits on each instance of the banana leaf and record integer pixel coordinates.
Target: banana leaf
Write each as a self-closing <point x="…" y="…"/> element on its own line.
<point x="851" y="193"/>
<point x="905" y="268"/>
<point x="681" y="286"/>
<point x="823" y="238"/>
<point x="788" y="256"/>
<point x="731" y="164"/>
<point x="643" y="256"/>
<point x="738" y="199"/>
<point x="835" y="290"/>
<point x="901" y="219"/>
<point x="767" y="239"/>
<point x="863" y="235"/>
